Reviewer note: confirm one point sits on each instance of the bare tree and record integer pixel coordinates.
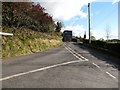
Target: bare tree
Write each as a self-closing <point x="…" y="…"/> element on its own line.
<point x="107" y="31"/>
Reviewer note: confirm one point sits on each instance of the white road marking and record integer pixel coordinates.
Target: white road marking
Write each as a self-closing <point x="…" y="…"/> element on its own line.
<point x="111" y="75"/>
<point x="52" y="66"/>
<point x="72" y="51"/>
<point x="2" y="33"/>
<point x="74" y="54"/>
<point x="37" y="70"/>
<point x="114" y="69"/>
<point x="96" y="65"/>
<point x="107" y="64"/>
<point x="78" y="54"/>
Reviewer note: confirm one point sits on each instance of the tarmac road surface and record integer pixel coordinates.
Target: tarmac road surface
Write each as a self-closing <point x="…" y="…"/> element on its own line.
<point x="68" y="66"/>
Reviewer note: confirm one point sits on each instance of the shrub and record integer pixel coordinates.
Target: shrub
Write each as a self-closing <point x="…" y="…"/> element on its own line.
<point x="115" y="47"/>
<point x="85" y="41"/>
<point x="109" y="46"/>
<point x="98" y="43"/>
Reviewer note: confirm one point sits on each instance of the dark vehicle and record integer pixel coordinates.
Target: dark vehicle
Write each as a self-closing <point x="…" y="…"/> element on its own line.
<point x="74" y="39"/>
<point x="67" y="36"/>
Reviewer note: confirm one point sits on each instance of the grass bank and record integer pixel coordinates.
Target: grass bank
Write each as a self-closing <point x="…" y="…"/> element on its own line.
<point x="26" y="41"/>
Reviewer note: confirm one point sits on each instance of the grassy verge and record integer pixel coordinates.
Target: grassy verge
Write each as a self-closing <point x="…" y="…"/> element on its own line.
<point x="25" y="41"/>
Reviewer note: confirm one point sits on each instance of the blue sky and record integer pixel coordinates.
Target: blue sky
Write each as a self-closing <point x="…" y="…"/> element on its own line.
<point x="102" y="14"/>
<point x="105" y="14"/>
<point x="73" y="14"/>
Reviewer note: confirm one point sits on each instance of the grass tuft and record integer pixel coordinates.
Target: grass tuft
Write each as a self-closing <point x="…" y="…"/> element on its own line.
<point x="26" y="41"/>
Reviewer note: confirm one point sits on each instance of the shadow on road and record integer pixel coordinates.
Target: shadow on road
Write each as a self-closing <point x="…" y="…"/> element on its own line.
<point x="101" y="55"/>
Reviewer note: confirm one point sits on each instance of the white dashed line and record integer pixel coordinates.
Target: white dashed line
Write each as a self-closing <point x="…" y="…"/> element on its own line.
<point x="96" y="65"/>
<point x="76" y="55"/>
<point x="111" y="75"/>
<point x="53" y="66"/>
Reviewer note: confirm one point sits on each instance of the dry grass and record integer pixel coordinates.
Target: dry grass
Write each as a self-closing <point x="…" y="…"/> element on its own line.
<point x="27" y="41"/>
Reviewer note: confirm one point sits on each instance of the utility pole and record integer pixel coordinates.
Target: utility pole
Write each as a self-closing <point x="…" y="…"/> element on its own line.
<point x="89" y="22"/>
<point x="119" y="20"/>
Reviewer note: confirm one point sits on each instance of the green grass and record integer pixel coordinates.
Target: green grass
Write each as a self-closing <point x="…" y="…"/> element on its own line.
<point x="26" y="41"/>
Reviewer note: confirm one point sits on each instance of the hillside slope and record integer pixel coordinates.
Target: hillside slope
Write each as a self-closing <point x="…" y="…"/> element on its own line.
<point x="33" y="29"/>
<point x="26" y="41"/>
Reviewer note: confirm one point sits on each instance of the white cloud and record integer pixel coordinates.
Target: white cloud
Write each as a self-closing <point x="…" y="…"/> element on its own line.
<point x="78" y="30"/>
<point x="114" y="34"/>
<point x="115" y="1"/>
<point x="65" y="9"/>
<point x="97" y="34"/>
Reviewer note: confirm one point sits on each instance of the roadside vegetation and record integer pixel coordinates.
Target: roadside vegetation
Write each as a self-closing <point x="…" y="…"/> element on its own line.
<point x="104" y="45"/>
<point x="33" y="29"/>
